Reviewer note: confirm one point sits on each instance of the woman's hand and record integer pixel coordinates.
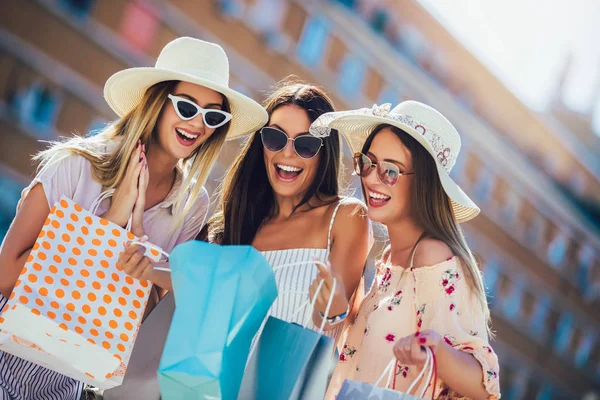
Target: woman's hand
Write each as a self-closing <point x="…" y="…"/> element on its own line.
<point x="410" y="350"/>
<point x="135" y="263"/>
<point x="137" y="222"/>
<point x="328" y="275"/>
<point x="126" y="195"/>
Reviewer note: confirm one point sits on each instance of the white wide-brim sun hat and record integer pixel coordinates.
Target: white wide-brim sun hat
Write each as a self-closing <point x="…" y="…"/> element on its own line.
<point x="189" y="60"/>
<point x="424" y="123"/>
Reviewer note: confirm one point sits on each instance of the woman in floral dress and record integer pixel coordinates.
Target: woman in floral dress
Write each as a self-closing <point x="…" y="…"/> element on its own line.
<point x="428" y="290"/>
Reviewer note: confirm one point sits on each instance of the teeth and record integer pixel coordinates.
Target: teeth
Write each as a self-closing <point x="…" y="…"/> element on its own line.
<point x="187" y="135"/>
<point x="379" y="196"/>
<point x="288" y="168"/>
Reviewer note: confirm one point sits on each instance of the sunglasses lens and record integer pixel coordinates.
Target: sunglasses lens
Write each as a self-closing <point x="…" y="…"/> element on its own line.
<point x="187" y="110"/>
<point x="388" y="173"/>
<point x="307" y="146"/>
<point x="214" y="119"/>
<point x="273" y="139"/>
<point x="362" y="165"/>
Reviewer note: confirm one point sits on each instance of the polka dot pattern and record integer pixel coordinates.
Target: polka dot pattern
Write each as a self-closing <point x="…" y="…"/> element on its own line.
<point x="71" y="277"/>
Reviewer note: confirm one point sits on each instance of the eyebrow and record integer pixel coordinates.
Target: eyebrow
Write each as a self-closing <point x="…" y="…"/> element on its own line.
<point x="187" y="96"/>
<point x="388" y="160"/>
<point x="284" y="131"/>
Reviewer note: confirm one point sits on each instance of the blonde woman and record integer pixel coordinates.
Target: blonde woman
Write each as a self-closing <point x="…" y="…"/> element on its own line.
<point x="428" y="291"/>
<point x="174" y="118"/>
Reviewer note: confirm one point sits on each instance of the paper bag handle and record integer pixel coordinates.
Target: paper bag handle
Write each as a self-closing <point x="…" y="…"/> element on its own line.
<point x="103" y="196"/>
<point x="428" y="366"/>
<point x="150" y="246"/>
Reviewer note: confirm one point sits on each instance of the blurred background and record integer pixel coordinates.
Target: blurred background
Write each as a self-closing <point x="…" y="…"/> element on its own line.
<point x="519" y="79"/>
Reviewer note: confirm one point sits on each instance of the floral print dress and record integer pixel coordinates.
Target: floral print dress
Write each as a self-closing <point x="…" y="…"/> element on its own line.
<point x="402" y="301"/>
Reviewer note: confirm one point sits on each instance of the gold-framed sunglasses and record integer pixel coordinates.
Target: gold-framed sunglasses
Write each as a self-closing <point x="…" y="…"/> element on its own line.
<point x="387" y="172"/>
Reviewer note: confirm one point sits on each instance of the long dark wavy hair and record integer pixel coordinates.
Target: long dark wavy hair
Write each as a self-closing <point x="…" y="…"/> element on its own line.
<point x="247" y="199"/>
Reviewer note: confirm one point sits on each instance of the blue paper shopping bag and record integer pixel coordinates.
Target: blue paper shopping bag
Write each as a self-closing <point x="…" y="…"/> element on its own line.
<point x="222" y="295"/>
<point x="290" y="362"/>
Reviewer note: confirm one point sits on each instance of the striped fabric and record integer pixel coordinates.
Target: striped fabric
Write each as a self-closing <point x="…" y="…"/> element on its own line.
<point x="23" y="380"/>
<point x="293" y="282"/>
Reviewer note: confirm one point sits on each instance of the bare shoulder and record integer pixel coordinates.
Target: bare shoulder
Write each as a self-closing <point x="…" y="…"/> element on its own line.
<point x="351" y="216"/>
<point x="350" y="209"/>
<point x="432" y="252"/>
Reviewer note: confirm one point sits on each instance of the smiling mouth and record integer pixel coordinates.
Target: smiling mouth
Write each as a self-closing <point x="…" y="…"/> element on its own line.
<point x="187" y="138"/>
<point x="377" y="199"/>
<point x="287" y="172"/>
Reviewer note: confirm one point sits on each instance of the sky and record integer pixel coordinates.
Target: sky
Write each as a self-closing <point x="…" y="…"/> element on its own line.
<point x="527" y="44"/>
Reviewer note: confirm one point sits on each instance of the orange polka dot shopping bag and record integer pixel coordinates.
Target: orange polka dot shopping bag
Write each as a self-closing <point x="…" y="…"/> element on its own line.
<point x="72" y="309"/>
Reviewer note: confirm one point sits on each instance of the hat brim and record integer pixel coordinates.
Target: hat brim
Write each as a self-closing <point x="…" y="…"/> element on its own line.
<point x="124" y="90"/>
<point x="356" y="129"/>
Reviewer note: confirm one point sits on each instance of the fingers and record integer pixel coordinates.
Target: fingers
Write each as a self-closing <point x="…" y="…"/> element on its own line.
<point x="402" y="350"/>
<point x="138" y="266"/>
<point x="130" y="249"/>
<point x="144" y="176"/>
<point x="134" y="161"/>
<point x="145" y="267"/>
<point x="417" y="351"/>
<point x="410" y="350"/>
<point x="324" y="269"/>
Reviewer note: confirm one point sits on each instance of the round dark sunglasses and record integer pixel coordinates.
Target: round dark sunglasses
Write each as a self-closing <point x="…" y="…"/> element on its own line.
<point x="187" y="110"/>
<point x="387" y="172"/>
<point x="306" y="146"/>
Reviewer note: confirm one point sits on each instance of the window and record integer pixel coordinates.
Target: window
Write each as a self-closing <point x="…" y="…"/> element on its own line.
<point x="512" y="301"/>
<point x="312" y="42"/>
<point x="545" y="392"/>
<point x="36" y="106"/>
<point x="582" y="354"/>
<point x="348" y="3"/>
<point x="534" y="231"/>
<point x="139" y="25"/>
<point x="586" y="260"/>
<point x="231" y="8"/>
<point x="557" y="250"/>
<point x="389" y="95"/>
<point x="352" y="73"/>
<point x="266" y="15"/>
<point x="537" y="325"/>
<point x="484" y="185"/>
<point x="563" y="333"/>
<point x="411" y="43"/>
<point x="96" y="126"/>
<point x="379" y="20"/>
<point x="490" y="278"/>
<point x="510" y="210"/>
<point x="78" y="8"/>
<point x="10" y="187"/>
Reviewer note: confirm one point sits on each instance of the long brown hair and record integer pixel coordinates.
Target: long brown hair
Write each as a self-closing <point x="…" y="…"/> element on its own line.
<point x="247" y="196"/>
<point x="432" y="210"/>
<point x="139" y="124"/>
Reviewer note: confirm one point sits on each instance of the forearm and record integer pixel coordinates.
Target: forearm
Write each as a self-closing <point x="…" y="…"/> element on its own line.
<point x="461" y="372"/>
<point x="11" y="269"/>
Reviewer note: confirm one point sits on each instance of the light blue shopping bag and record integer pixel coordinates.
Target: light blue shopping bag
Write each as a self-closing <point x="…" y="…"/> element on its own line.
<point x="222" y="295"/>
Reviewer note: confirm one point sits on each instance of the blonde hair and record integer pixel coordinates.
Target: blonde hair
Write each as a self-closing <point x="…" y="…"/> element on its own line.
<point x="432" y="210"/>
<point x="109" y="169"/>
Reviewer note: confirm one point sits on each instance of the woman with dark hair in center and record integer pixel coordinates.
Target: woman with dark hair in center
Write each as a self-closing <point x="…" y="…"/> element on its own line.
<point x="282" y="196"/>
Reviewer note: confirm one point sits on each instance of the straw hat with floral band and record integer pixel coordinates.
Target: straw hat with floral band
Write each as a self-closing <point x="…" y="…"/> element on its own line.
<point x="195" y="61"/>
<point x="430" y="128"/>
